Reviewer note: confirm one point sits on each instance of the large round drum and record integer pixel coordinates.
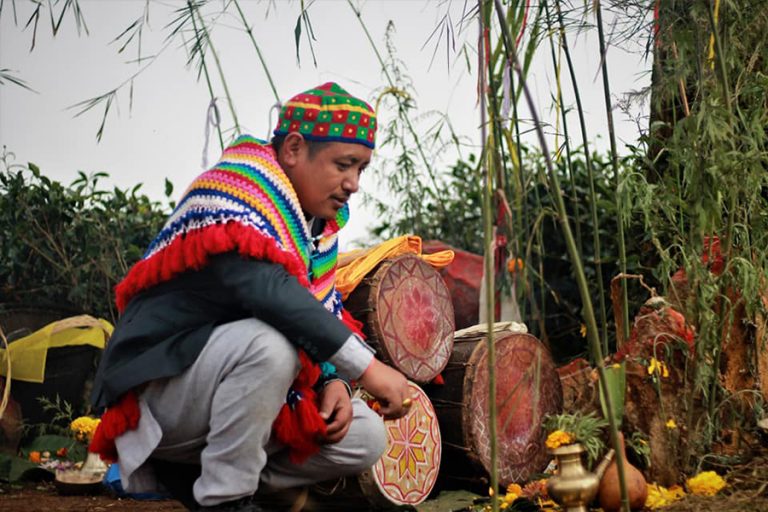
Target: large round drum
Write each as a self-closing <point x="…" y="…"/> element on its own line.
<point x="407" y="470"/>
<point x="407" y="314"/>
<point x="527" y="389"/>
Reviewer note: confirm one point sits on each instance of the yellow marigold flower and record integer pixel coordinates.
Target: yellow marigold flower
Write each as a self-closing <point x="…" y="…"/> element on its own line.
<point x="583" y="330"/>
<point x="671" y="424"/>
<point x="84" y="427"/>
<point x="677" y="492"/>
<point x="707" y="483"/>
<point x="659" y="496"/>
<point x="513" y="492"/>
<point x="558" y="438"/>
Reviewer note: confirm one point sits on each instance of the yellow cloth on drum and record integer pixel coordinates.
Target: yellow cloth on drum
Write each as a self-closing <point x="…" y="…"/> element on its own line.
<point x="355" y="265"/>
<point x="29" y="354"/>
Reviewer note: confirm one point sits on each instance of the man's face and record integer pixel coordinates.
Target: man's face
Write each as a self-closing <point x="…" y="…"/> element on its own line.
<point x="325" y="180"/>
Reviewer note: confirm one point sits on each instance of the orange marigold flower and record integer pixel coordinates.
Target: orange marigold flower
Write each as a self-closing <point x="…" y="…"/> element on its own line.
<point x="559" y="438"/>
<point x="34" y="457"/>
<point x="515" y="264"/>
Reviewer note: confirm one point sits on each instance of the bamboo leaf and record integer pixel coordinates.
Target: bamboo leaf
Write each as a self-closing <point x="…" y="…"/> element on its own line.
<point x="34" y="17"/>
<point x="615" y="378"/>
<point x="7" y="76"/>
<point x="297" y="38"/>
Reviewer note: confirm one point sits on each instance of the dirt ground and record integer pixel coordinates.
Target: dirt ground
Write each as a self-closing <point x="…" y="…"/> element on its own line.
<point x="747" y="491"/>
<point x="45" y="498"/>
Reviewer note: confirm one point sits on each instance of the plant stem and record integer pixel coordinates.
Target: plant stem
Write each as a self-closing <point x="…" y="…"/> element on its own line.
<point x="566" y="138"/>
<point x="574" y="254"/>
<point x="216" y="61"/>
<point x="422" y="155"/>
<point x="484" y="17"/>
<point x="256" y="47"/>
<point x="723" y="317"/>
<point x="523" y="204"/>
<point x="615" y="167"/>
<point x="596" y="246"/>
<point x="205" y="71"/>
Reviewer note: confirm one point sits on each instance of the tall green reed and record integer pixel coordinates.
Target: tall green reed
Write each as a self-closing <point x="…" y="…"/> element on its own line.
<point x="573" y="252"/>
<point x="624" y="328"/>
<point x="596" y="245"/>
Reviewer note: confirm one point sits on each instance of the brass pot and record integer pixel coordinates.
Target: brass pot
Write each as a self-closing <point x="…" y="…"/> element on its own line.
<point x="573" y="487"/>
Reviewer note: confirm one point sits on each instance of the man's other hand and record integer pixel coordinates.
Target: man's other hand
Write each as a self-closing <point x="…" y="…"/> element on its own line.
<point x="336" y="411"/>
<point x="389" y="387"/>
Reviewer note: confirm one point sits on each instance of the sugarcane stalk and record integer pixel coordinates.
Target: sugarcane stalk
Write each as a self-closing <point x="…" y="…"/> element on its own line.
<point x="484" y="16"/>
<point x="615" y="168"/>
<point x="581" y="279"/>
<point x="596" y="246"/>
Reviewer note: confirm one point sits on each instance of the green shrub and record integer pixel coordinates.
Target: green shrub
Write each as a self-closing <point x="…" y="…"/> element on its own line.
<point x="67" y="246"/>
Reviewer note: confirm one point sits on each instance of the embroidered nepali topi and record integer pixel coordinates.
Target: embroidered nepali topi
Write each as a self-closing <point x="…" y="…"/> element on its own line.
<point x="328" y="113"/>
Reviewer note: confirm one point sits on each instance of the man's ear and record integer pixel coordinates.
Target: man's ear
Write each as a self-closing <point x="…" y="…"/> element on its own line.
<point x="290" y="151"/>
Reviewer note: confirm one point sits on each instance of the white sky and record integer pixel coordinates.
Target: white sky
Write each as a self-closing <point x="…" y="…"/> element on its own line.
<point x="163" y="134"/>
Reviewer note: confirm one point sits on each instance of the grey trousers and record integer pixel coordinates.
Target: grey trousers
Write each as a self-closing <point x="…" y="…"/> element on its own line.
<point x="219" y="414"/>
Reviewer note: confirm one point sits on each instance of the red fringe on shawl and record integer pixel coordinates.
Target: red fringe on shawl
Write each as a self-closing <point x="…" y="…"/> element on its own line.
<point x="354" y="325"/>
<point x="299" y="426"/>
<point x="192" y="252"/>
<point x="122" y="416"/>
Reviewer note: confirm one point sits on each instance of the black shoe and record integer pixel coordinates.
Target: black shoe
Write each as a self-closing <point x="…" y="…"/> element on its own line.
<point x="178" y="478"/>
<point x="242" y="505"/>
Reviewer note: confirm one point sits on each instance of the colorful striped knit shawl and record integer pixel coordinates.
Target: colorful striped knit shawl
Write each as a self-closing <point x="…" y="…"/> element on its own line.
<point x="244" y="203"/>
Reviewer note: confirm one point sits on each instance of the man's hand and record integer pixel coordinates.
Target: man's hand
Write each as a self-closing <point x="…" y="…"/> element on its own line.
<point x="388" y="386"/>
<point x="336" y="410"/>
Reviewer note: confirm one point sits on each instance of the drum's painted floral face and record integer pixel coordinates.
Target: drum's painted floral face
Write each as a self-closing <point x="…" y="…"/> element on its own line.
<point x="324" y="179"/>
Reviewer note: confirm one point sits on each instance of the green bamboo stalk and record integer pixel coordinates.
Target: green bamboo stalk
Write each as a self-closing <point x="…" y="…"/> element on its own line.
<point x="566" y="137"/>
<point x="526" y="274"/>
<point x="596" y="246"/>
<point x="723" y="317"/>
<point x="615" y="167"/>
<point x="574" y="255"/>
<point x="205" y="70"/>
<point x="258" y="50"/>
<point x="216" y="61"/>
<point x="484" y="14"/>
<point x="416" y="138"/>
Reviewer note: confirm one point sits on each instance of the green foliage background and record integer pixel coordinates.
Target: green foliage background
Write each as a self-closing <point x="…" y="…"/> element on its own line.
<point x="66" y="246"/>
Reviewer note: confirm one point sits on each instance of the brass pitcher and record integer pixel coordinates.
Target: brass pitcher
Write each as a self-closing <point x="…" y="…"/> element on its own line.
<point x="574" y="487"/>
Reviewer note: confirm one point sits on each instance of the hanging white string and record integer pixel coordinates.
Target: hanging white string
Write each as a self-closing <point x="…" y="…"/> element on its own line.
<point x="507" y="92"/>
<point x="270" y="124"/>
<point x="212" y="119"/>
